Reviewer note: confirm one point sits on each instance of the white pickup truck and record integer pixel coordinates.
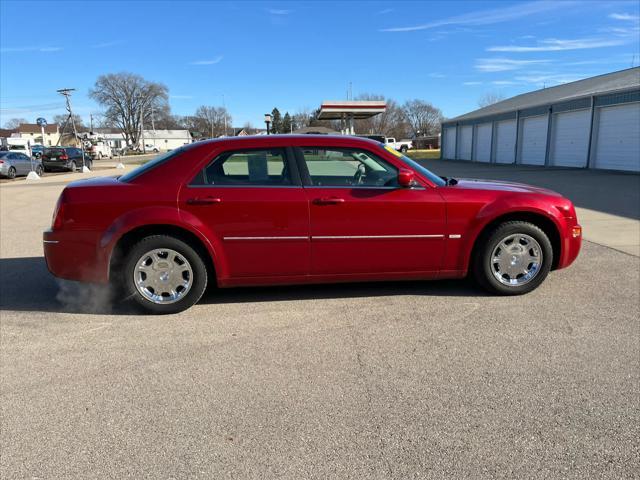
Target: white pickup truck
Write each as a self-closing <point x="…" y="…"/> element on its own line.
<point x="400" y="145"/>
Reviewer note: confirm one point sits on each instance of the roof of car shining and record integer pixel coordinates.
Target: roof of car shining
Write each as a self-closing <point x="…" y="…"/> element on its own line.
<point x="289" y="139"/>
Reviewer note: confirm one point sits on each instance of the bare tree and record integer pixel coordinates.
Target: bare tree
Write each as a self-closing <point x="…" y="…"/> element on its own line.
<point x="391" y="122"/>
<point x="212" y="121"/>
<point x="424" y="119"/>
<point x="129" y="100"/>
<point x="14" y="123"/>
<point x="302" y="118"/>
<point x="489" y="98"/>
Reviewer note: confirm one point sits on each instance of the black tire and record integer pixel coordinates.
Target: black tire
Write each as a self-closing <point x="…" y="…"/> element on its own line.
<point x="11" y="173"/>
<point x="404" y="149"/>
<point x="39" y="170"/>
<point x="147" y="244"/>
<point x="482" y="268"/>
<point x="74" y="167"/>
<point x="45" y="169"/>
<point x="89" y="164"/>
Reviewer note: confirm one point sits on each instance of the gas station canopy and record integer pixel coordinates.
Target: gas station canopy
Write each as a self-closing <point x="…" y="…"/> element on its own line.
<point x="349" y="110"/>
<point x="341" y="109"/>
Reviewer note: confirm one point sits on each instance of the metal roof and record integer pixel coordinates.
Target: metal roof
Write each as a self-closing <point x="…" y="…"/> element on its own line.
<point x="607" y="83"/>
<point x="337" y="109"/>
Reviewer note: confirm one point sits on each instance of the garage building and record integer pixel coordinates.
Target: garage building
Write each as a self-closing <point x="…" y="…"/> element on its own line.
<point x="591" y="123"/>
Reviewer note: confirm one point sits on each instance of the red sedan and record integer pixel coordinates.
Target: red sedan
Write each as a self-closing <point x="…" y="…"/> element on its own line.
<point x="301" y="209"/>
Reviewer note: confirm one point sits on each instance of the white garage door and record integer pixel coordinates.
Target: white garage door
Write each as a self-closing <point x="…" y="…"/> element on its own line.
<point x="465" y="137"/>
<point x="449" y="143"/>
<point x="534" y="140"/>
<point x="618" y="138"/>
<point x="505" y="141"/>
<point x="482" y="152"/>
<point x="570" y="139"/>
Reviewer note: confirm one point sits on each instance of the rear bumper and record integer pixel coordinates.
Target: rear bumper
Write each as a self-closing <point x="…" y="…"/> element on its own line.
<point x="56" y="165"/>
<point x="74" y="255"/>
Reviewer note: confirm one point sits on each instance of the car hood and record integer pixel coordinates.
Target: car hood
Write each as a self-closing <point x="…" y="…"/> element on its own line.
<point x="478" y="184"/>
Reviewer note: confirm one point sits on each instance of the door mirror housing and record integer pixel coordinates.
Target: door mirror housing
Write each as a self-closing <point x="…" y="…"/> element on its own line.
<point x="406" y="178"/>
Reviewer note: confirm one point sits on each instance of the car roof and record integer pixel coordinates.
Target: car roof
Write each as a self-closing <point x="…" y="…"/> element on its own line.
<point x="284" y="140"/>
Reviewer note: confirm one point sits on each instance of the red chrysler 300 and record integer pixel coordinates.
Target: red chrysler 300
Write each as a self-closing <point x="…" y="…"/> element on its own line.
<point x="301" y="209"/>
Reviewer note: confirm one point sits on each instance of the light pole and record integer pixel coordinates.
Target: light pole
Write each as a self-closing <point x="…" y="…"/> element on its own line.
<point x="267" y="120"/>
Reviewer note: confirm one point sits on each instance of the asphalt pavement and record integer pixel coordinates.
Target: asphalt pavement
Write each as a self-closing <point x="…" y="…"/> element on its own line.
<point x="366" y="381"/>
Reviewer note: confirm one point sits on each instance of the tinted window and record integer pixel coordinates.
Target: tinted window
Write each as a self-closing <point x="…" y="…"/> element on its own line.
<point x="149" y="165"/>
<point x="348" y="168"/>
<point x="247" y="167"/>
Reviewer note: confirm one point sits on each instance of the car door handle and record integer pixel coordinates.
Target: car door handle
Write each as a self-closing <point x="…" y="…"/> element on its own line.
<point x="328" y="201"/>
<point x="203" y="201"/>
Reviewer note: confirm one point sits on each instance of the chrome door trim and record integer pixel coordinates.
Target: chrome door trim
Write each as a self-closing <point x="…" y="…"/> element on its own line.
<point x="358" y="237"/>
<point x="268" y="238"/>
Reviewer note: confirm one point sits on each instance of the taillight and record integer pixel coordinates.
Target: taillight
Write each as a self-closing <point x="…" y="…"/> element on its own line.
<point x="64" y="157"/>
<point x="1" y="162"/>
<point x="58" y="213"/>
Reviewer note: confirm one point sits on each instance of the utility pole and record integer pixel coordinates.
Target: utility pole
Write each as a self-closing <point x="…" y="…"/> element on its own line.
<point x="91" y="123"/>
<point x="66" y="93"/>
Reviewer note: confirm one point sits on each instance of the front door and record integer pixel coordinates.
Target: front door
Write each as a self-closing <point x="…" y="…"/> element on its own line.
<point x="362" y="222"/>
<point x="253" y="202"/>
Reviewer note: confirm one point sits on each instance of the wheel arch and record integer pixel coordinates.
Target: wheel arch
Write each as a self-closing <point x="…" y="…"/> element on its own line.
<point x="546" y="224"/>
<point x="129" y="238"/>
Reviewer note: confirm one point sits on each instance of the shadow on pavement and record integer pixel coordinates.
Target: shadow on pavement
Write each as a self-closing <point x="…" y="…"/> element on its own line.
<point x="27" y="285"/>
<point x="603" y="191"/>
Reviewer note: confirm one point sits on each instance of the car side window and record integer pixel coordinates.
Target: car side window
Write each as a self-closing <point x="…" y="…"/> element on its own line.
<point x="267" y="167"/>
<point x="344" y="167"/>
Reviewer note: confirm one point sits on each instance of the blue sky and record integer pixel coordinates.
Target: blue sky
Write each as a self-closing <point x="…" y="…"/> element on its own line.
<point x="257" y="55"/>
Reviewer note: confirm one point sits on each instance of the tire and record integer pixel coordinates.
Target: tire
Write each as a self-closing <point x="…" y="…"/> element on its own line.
<point x="74" y="167"/>
<point x="193" y="272"/>
<point x="514" y="270"/>
<point x="89" y="164"/>
<point x="404" y="149"/>
<point x="39" y="170"/>
<point x="11" y="173"/>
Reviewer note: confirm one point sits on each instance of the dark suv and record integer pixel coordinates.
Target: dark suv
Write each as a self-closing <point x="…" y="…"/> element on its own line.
<point x="65" y="158"/>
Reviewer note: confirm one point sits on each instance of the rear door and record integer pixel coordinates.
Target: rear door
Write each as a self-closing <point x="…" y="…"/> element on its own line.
<point x="25" y="163"/>
<point x="362" y="222"/>
<point x="253" y="202"/>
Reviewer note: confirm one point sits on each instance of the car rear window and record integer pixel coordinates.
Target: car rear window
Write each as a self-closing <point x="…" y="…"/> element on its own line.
<point x="150" y="165"/>
<point x="54" y="151"/>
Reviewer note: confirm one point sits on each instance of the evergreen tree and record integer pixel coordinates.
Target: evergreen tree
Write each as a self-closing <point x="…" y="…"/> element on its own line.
<point x="286" y="123"/>
<point x="276" y="121"/>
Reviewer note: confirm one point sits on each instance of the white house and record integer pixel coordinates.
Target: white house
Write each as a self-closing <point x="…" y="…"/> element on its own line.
<point x="161" y="139"/>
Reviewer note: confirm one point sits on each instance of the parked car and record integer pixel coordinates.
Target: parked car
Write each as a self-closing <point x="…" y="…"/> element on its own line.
<point x="65" y="158"/>
<point x="400" y="146"/>
<point x="15" y="164"/>
<point x="36" y="150"/>
<point x="287" y="209"/>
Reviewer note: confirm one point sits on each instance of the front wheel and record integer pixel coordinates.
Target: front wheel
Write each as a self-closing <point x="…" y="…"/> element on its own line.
<point x="164" y="275"/>
<point x="513" y="259"/>
<point x="39" y="171"/>
<point x="11" y="173"/>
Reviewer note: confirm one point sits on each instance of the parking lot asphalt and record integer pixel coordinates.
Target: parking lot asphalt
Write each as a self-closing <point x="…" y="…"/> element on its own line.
<point x="390" y="380"/>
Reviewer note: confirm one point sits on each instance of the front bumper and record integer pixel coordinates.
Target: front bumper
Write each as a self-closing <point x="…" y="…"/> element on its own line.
<point x="571" y="245"/>
<point x="74" y="255"/>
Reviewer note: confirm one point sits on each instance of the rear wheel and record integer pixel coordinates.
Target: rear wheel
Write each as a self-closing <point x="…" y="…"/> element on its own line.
<point x="12" y="172"/>
<point x="39" y="170"/>
<point x="404" y="149"/>
<point x="164" y="275"/>
<point x="74" y="166"/>
<point x="513" y="259"/>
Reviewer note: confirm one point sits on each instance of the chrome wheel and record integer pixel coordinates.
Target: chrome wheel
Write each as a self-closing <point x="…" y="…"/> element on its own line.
<point x="516" y="260"/>
<point x="163" y="276"/>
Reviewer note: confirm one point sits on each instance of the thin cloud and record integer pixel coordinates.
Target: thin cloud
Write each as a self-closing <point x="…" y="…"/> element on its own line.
<point x="274" y="11"/>
<point x="504" y="64"/>
<point x="556" y="45"/>
<point x="105" y="44"/>
<point x="30" y="49"/>
<point x="488" y="17"/>
<point x="545" y="79"/>
<point x="437" y="75"/>
<point x="624" y="16"/>
<point x="471" y="83"/>
<point x="386" y="10"/>
<point x="213" y="61"/>
<point x="504" y="82"/>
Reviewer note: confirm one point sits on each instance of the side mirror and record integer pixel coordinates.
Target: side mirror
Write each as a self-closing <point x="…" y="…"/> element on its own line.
<point x="406" y="178"/>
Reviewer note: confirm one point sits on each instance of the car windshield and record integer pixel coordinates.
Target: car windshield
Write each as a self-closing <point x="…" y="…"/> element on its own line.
<point x="416" y="166"/>
<point x="145" y="167"/>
